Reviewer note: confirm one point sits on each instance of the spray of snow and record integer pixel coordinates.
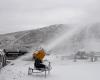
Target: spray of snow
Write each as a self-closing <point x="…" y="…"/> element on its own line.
<point x="65" y="36"/>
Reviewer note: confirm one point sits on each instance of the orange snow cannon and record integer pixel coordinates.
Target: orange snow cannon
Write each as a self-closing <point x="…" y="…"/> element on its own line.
<point x="39" y="54"/>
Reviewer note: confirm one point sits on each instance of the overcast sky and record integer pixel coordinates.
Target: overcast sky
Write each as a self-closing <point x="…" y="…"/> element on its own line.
<point x="16" y="15"/>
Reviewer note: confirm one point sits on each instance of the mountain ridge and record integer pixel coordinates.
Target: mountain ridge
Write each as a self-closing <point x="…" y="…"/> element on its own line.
<point x="87" y="38"/>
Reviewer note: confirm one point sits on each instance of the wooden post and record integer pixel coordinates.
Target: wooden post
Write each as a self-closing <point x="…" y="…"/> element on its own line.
<point x="3" y="60"/>
<point x="45" y="73"/>
<point x="96" y="58"/>
<point x="75" y="58"/>
<point x="49" y="68"/>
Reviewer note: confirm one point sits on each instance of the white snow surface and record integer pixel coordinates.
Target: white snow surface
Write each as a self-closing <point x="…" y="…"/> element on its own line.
<point x="61" y="70"/>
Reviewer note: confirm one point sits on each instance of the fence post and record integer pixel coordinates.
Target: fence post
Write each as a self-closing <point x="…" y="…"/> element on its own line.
<point x="3" y="60"/>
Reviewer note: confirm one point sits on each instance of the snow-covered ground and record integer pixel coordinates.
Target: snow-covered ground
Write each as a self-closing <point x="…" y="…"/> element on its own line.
<point x="61" y="70"/>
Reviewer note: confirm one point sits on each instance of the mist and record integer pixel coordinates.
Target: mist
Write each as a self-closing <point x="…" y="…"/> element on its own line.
<point x="17" y="15"/>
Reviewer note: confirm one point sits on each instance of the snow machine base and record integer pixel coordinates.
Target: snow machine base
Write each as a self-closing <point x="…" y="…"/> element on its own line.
<point x="40" y="70"/>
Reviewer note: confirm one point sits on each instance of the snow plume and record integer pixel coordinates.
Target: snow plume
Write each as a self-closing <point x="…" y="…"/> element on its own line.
<point x="65" y="36"/>
<point x="93" y="45"/>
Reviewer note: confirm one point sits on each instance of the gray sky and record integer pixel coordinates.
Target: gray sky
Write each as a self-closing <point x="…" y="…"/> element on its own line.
<point x="16" y="15"/>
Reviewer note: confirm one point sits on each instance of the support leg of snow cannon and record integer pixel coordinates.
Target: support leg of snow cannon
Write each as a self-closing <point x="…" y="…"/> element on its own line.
<point x="45" y="73"/>
<point x="29" y="71"/>
<point x="43" y="70"/>
<point x="49" y="68"/>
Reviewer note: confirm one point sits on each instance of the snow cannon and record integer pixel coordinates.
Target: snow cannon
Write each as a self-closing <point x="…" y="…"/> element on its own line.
<point x="40" y="54"/>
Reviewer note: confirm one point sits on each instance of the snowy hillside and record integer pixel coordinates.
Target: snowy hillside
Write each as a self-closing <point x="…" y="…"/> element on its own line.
<point x="32" y="38"/>
<point x="59" y="38"/>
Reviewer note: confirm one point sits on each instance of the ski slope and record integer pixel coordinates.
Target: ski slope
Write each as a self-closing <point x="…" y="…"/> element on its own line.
<point x="61" y="70"/>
